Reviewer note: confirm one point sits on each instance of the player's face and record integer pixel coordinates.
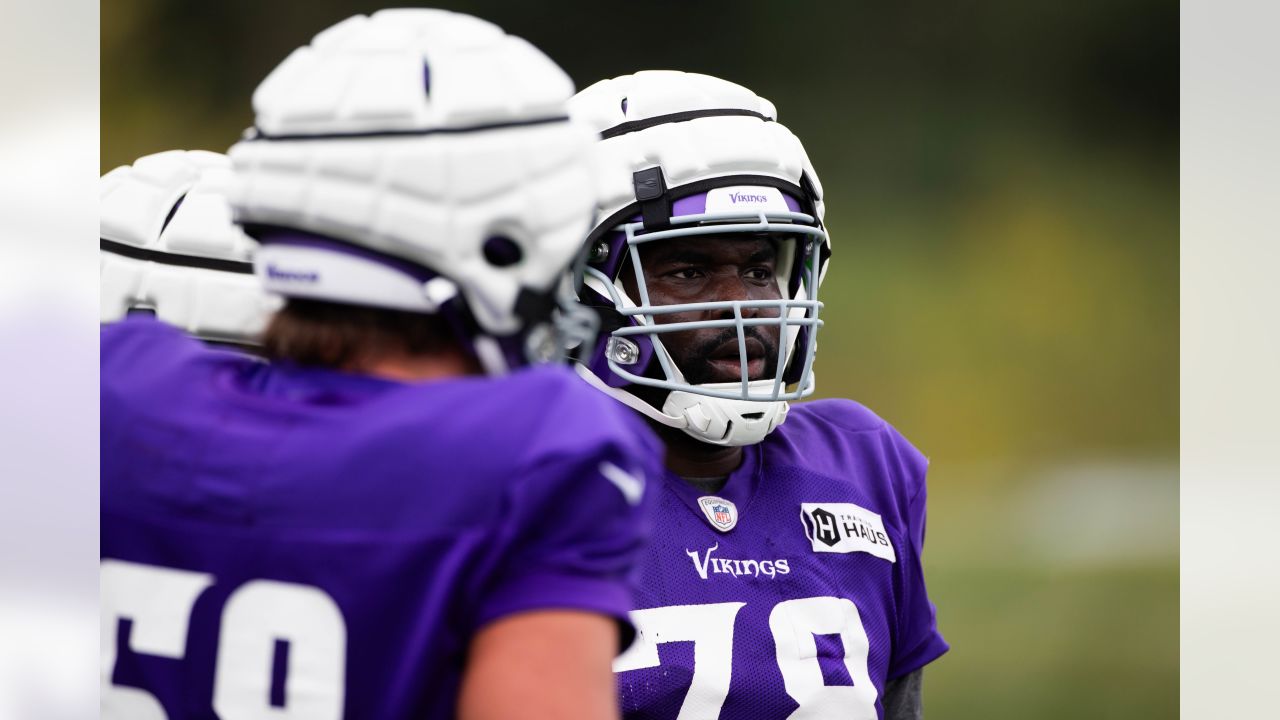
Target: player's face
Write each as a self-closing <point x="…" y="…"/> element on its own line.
<point x="706" y="269"/>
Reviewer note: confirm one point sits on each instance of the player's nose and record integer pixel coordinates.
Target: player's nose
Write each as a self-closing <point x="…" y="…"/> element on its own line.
<point x="732" y="288"/>
<point x="728" y="287"/>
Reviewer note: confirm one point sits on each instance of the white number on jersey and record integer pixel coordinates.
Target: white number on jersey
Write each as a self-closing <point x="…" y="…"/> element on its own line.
<point x="793" y="624"/>
<point x="257" y="615"/>
<point x="710" y="627"/>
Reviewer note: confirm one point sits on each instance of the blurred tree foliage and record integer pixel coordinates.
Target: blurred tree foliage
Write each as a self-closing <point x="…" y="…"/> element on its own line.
<point x="1002" y="184"/>
<point x="1001" y="175"/>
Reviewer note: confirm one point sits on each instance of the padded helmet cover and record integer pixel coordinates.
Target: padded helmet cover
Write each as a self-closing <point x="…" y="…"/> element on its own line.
<point x="419" y="136"/>
<point x="169" y="245"/>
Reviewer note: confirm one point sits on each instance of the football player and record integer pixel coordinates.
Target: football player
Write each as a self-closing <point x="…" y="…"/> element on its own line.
<point x="171" y="249"/>
<point x="372" y="522"/>
<point x="787" y="580"/>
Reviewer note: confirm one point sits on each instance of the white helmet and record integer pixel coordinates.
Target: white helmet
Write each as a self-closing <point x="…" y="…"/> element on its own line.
<point x="423" y="160"/>
<point x="169" y="246"/>
<point x="704" y="157"/>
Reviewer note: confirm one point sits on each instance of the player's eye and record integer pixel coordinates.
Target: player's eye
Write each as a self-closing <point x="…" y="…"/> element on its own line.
<point x="684" y="273"/>
<point x="760" y="274"/>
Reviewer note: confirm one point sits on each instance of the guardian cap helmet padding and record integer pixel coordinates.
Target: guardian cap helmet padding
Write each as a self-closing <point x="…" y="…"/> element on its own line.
<point x="703" y="157"/>
<point x="423" y="160"/>
<point x="169" y="246"/>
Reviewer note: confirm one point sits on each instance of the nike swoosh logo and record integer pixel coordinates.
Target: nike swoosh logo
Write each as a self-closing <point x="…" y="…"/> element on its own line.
<point x="632" y="487"/>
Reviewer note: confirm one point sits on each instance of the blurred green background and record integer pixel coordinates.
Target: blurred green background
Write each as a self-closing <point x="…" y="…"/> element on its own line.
<point x="1002" y="183"/>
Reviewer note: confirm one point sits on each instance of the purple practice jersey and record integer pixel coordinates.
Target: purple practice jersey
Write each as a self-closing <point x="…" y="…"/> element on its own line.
<point x="794" y="592"/>
<point x="305" y="543"/>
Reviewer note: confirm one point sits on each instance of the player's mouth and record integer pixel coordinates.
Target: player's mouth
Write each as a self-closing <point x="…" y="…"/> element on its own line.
<point x="726" y="361"/>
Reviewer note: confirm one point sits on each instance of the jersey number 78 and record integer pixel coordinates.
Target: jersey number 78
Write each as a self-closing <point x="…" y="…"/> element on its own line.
<point x="793" y="624"/>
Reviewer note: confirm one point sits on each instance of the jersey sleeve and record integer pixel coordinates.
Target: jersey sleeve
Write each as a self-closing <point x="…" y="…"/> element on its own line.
<point x="574" y="528"/>
<point x="918" y="642"/>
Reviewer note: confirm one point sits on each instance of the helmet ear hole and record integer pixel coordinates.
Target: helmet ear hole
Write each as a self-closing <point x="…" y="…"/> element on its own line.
<point x="502" y="251"/>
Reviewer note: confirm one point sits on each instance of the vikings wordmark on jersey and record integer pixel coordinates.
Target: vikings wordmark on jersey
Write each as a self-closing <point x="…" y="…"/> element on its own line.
<point x="810" y="603"/>
<point x="279" y="540"/>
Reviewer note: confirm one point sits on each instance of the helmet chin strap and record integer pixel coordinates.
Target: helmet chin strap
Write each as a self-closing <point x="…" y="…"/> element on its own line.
<point x="725" y="421"/>
<point x="714" y="421"/>
<point x="631" y="401"/>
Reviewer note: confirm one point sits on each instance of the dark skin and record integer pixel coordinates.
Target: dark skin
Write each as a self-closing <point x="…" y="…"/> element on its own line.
<point x="709" y="268"/>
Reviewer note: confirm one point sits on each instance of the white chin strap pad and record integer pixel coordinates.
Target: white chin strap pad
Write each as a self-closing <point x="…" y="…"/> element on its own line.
<point x="720" y="421"/>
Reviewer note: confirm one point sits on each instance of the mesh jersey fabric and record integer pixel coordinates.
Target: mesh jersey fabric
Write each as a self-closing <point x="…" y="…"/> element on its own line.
<point x="778" y="616"/>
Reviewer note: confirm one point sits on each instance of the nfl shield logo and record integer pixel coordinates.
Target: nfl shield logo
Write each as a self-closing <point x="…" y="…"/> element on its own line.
<point x="722" y="514"/>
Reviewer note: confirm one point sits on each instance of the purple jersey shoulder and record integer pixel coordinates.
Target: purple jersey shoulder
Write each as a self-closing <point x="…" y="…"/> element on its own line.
<point x="421" y="511"/>
<point x="472" y="438"/>
<point x="846" y="439"/>
<point x="835" y="434"/>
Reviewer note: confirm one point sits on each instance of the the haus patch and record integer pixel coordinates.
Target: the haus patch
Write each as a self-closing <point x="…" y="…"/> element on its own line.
<point x="845" y="528"/>
<point x="721" y="513"/>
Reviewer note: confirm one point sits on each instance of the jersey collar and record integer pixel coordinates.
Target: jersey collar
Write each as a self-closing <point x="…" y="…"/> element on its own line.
<point x="739" y="489"/>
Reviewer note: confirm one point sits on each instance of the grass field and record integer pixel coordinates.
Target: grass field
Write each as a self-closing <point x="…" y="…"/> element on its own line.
<point x="1051" y="643"/>
<point x="1054" y="614"/>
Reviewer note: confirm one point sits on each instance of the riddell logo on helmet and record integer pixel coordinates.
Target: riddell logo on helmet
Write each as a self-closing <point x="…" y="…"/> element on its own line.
<point x="276" y="273"/>
<point x="740" y="197"/>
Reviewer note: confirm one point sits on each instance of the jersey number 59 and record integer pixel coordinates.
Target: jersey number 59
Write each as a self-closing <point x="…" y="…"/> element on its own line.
<point x="256" y="618"/>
